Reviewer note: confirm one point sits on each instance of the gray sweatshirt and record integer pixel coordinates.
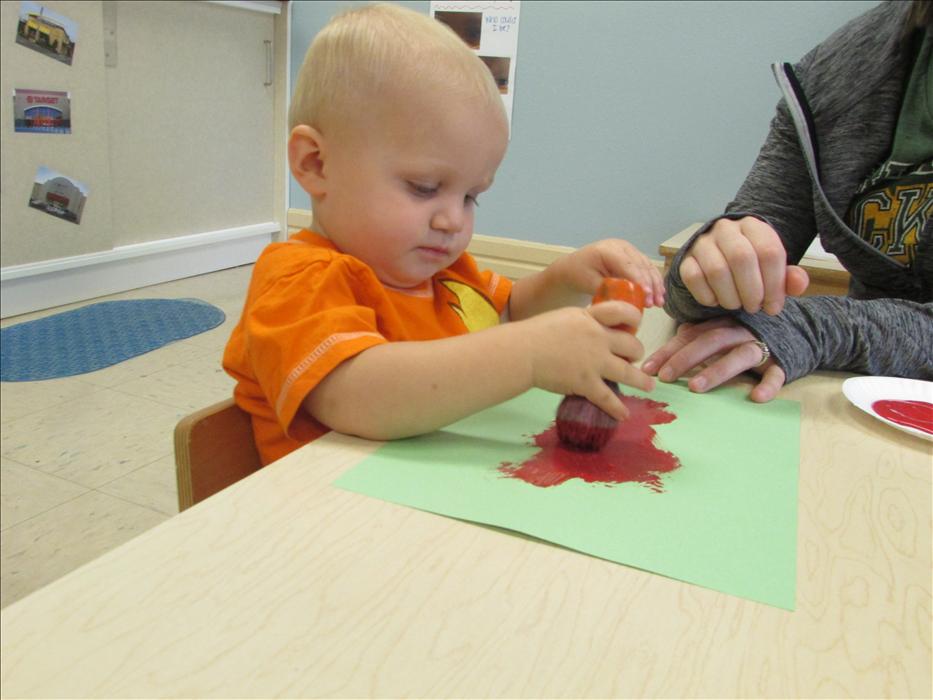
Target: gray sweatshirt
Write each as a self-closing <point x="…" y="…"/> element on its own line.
<point x="802" y="183"/>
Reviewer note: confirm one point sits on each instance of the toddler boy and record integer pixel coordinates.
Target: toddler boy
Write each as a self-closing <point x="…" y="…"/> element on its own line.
<point x="377" y="322"/>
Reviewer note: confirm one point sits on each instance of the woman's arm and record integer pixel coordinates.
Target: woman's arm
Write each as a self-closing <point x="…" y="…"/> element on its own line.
<point x="882" y="337"/>
<point x="885" y="337"/>
<point x="778" y="192"/>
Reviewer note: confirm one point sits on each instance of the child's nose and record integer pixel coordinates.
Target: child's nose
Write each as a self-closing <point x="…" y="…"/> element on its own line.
<point x="449" y="219"/>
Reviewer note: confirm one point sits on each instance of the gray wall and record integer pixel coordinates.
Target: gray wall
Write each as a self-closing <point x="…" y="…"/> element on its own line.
<point x="631" y="119"/>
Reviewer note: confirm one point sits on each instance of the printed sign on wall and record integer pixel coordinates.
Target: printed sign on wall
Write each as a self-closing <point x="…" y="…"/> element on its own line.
<point x="491" y="30"/>
<point x="42" y="111"/>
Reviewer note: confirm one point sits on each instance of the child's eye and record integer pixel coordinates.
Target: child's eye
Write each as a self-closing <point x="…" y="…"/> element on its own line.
<point x="472" y="199"/>
<point x="423" y="190"/>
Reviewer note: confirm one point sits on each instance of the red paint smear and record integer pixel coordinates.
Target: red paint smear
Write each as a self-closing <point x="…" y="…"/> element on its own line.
<point x="629" y="456"/>
<point x="913" y="414"/>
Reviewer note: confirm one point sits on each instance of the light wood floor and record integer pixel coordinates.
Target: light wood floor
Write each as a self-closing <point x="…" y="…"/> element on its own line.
<point x="87" y="462"/>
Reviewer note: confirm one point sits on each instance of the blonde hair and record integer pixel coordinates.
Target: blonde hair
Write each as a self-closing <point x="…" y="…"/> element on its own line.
<point x="380" y="52"/>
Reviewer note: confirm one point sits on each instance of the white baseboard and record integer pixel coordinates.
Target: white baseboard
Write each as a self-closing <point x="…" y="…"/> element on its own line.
<point x="513" y="258"/>
<point x="298" y="219"/>
<point x="42" y="285"/>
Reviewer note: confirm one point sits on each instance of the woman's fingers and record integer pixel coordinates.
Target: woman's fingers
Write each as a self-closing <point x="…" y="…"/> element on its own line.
<point x="720" y="349"/>
<point x="616" y="313"/>
<point x="797" y="281"/>
<point x="660" y="356"/>
<point x="711" y="343"/>
<point x="710" y="279"/>
<point x="693" y="278"/>
<point x="741" y="265"/>
<point x="731" y="363"/>
<point x="698" y="345"/>
<point x="771" y="382"/>
<point x="766" y="291"/>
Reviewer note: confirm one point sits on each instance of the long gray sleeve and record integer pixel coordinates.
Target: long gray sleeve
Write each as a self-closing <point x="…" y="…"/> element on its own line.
<point x="882" y="337"/>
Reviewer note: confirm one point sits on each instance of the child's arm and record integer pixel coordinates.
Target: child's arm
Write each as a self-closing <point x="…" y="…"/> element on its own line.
<point x="401" y="389"/>
<point x="573" y="279"/>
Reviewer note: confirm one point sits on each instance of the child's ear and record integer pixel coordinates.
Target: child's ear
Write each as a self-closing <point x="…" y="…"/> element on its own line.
<point x="306" y="159"/>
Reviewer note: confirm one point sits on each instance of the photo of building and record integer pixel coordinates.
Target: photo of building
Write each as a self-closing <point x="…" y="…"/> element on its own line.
<point x="58" y="195"/>
<point x="42" y="111"/>
<point x="46" y="32"/>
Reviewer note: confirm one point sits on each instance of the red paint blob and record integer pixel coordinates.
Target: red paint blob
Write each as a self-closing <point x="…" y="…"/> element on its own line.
<point x="629" y="456"/>
<point x="913" y="414"/>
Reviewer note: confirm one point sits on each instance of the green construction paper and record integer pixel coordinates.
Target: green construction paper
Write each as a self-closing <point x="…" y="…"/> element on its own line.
<point x="726" y="519"/>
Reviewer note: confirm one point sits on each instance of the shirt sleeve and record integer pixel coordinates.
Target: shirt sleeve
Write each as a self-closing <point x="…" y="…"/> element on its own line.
<point x="304" y="325"/>
<point x="880" y="337"/>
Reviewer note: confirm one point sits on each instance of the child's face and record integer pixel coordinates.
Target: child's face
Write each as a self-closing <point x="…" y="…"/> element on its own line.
<point x="402" y="197"/>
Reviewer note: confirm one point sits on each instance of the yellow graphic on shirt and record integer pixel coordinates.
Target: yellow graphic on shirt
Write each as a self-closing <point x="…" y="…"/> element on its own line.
<point x="475" y="310"/>
<point x="890" y="218"/>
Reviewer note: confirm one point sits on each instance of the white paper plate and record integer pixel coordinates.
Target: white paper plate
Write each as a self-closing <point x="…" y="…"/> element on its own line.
<point x="864" y="391"/>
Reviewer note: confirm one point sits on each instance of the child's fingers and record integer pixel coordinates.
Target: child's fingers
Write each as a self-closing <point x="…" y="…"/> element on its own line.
<point x="603" y="397"/>
<point x="624" y="344"/>
<point x="628" y="374"/>
<point x="615" y="313"/>
<point x="646" y="275"/>
<point x="619" y="258"/>
<point x="623" y="373"/>
<point x="651" y="281"/>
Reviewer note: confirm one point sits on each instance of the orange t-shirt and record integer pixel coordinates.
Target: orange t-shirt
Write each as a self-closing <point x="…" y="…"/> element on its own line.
<point x="310" y="307"/>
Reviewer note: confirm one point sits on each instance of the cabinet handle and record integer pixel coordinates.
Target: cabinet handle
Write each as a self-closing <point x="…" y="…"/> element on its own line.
<point x="269" y="76"/>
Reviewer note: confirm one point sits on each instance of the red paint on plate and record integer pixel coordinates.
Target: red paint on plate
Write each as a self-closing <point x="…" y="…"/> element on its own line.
<point x="913" y="414"/>
<point x="629" y="456"/>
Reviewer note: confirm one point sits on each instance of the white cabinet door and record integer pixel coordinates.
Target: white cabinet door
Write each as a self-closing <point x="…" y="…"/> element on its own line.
<point x="191" y="130"/>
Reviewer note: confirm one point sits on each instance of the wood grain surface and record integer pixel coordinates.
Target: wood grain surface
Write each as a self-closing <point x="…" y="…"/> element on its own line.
<point x="283" y="585"/>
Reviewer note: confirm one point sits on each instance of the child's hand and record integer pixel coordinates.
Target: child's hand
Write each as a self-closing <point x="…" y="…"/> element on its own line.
<point x="571" y="351"/>
<point x="584" y="269"/>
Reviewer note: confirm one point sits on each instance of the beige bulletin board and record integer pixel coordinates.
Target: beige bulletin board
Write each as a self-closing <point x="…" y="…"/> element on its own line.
<point x="29" y="235"/>
<point x="172" y="108"/>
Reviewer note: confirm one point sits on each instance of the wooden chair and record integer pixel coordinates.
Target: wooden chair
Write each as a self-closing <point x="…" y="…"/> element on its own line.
<point x="214" y="448"/>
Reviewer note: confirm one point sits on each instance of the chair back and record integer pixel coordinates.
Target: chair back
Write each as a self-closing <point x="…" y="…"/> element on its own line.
<point x="214" y="448"/>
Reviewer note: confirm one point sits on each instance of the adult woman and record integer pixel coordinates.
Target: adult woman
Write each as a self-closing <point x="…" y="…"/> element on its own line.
<point x="849" y="157"/>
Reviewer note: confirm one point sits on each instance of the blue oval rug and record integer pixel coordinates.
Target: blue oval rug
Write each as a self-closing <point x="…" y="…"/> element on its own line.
<point x="99" y="335"/>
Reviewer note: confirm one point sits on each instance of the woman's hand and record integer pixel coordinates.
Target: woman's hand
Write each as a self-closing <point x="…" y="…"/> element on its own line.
<point x="741" y="264"/>
<point x="724" y="348"/>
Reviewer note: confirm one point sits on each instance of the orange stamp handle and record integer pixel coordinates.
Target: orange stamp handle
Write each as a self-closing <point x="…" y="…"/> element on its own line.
<point x="616" y="289"/>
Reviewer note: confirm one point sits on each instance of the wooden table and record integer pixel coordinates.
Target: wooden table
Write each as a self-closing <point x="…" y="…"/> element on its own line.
<point x="827" y="275"/>
<point x="283" y="585"/>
